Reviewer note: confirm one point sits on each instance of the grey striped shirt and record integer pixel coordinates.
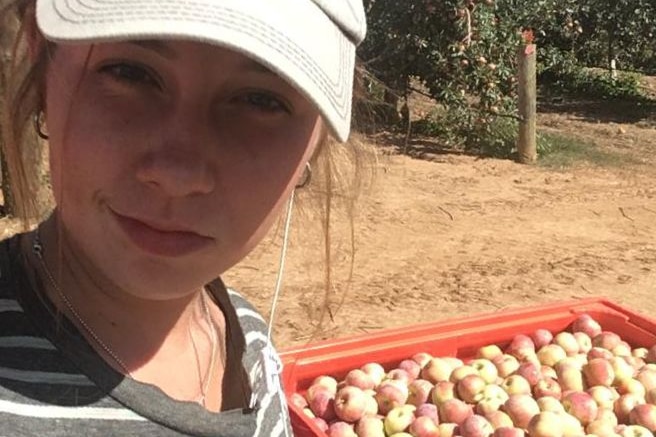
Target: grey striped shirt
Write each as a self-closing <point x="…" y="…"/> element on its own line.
<point x="52" y="383"/>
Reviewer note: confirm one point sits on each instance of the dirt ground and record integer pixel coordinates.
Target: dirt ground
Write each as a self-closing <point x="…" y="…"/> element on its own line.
<point x="448" y="234"/>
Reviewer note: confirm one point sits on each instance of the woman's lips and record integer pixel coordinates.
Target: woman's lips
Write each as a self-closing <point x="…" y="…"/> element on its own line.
<point x="170" y="243"/>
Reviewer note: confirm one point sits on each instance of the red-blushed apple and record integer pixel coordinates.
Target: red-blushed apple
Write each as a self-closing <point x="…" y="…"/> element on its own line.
<point x="428" y="410"/>
<point x="568" y="342"/>
<point x="422" y="358"/>
<point x="647" y="377"/>
<point x="541" y="337"/>
<point x="412" y="367"/>
<point x="320" y="423"/>
<point x="298" y="400"/>
<point x="359" y="378"/>
<point x="516" y="384"/>
<point x="350" y="403"/>
<point x="521" y="409"/>
<point x="570" y="376"/>
<point x="599" y="352"/>
<point x="644" y="415"/>
<point x="549" y="403"/>
<point x="506" y="365"/>
<point x="419" y="392"/>
<point x="436" y="370"/>
<point x="545" y="424"/>
<point x="470" y="388"/>
<point x="530" y="371"/>
<point x="494" y="396"/>
<point x="443" y="391"/>
<point x="454" y="411"/>
<point x="622" y="369"/>
<point x="521" y="346"/>
<point x="486" y="369"/>
<point x="508" y="431"/>
<point x="375" y="371"/>
<point x="584" y="341"/>
<point x="476" y="426"/>
<point x="606" y="339"/>
<point x="623" y="349"/>
<point x="550" y="354"/>
<point x="547" y="387"/>
<point x="489" y="352"/>
<point x="390" y="394"/>
<point x="603" y="396"/>
<point x="548" y="372"/>
<point x="448" y="429"/>
<point x="631" y="385"/>
<point x="598" y="372"/>
<point x="399" y="375"/>
<point x="321" y="401"/>
<point x="635" y="431"/>
<point x="326" y="381"/>
<point x="499" y="419"/>
<point x="424" y="426"/>
<point x="341" y="429"/>
<point x="624" y="404"/>
<point x="462" y="371"/>
<point x="370" y="426"/>
<point x="585" y="323"/>
<point x="580" y="405"/>
<point x="398" y="419"/>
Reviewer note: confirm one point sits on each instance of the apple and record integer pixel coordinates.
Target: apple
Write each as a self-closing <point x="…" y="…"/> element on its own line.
<point x="454" y="411"/>
<point x="462" y="371"/>
<point x="547" y="387"/>
<point x="521" y="408"/>
<point x="635" y="431"/>
<point x="545" y="424"/>
<point x="635" y="362"/>
<point x="584" y="341"/>
<point x="371" y="404"/>
<point x="489" y="352"/>
<point x="419" y="392"/>
<point x="623" y="349"/>
<point x="398" y="419"/>
<point x="599" y="352"/>
<point x="350" y="403"/>
<point x="506" y="365"/>
<point x="486" y="369"/>
<point x="298" y="400"/>
<point x="581" y="405"/>
<point x="548" y="372"/>
<point x="499" y="419"/>
<point x="541" y="337"/>
<point x="622" y="369"/>
<point x="585" y="323"/>
<point x="391" y="394"/>
<point x="631" y="385"/>
<point x="476" y="426"/>
<point x="424" y="427"/>
<point x="422" y="358"/>
<point x="521" y="346"/>
<point x="442" y="391"/>
<point x="454" y="362"/>
<point x="516" y="384"/>
<point x="494" y="396"/>
<point x="448" y="429"/>
<point x="320" y="423"/>
<point x="436" y="370"/>
<point x="399" y="375"/>
<point x="549" y="403"/>
<point x="598" y="372"/>
<point x="321" y="401"/>
<point x="326" y="381"/>
<point x="647" y="377"/>
<point x="550" y="354"/>
<point x="624" y="404"/>
<point x="428" y="410"/>
<point x="603" y="396"/>
<point x="607" y="415"/>
<point x="600" y="428"/>
<point x="470" y="388"/>
<point x="375" y="371"/>
<point x="606" y="339"/>
<point x="570" y="425"/>
<point x="341" y="429"/>
<point x="308" y="413"/>
<point x="640" y="352"/>
<point x="508" y="431"/>
<point x="531" y="371"/>
<point x="411" y="367"/>
<point x="570" y="377"/>
<point x="644" y="415"/>
<point x="370" y="426"/>
<point x="359" y="378"/>
<point x="568" y="342"/>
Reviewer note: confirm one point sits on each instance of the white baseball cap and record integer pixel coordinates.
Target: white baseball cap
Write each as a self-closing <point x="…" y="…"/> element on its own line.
<point x="310" y="43"/>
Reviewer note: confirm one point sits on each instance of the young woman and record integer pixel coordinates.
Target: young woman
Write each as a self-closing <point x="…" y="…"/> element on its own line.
<point x="177" y="132"/>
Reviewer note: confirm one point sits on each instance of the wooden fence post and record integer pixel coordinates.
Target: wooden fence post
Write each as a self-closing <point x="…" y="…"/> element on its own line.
<point x="527" y="142"/>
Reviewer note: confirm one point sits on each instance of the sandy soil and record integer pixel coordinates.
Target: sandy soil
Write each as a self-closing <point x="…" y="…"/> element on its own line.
<point x="448" y="234"/>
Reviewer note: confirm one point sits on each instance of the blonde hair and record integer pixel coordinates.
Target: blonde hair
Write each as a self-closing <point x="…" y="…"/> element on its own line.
<point x="337" y="168"/>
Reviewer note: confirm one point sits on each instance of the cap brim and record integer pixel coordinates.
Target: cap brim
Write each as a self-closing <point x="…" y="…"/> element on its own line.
<point x="296" y="39"/>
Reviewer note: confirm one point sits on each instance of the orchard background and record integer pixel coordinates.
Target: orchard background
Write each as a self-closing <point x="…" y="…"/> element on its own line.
<point x="451" y="224"/>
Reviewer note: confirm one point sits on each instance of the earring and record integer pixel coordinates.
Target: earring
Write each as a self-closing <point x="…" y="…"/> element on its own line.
<point x="307" y="176"/>
<point x="38" y="125"/>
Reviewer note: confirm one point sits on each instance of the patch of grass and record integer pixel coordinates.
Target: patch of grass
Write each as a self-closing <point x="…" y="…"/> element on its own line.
<point x="561" y="152"/>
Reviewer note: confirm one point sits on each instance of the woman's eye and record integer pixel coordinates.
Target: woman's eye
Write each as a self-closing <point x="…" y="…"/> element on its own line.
<point x="131" y="74"/>
<point x="264" y="102"/>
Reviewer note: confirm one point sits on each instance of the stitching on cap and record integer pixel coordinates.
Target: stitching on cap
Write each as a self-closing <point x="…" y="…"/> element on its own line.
<point x="242" y="24"/>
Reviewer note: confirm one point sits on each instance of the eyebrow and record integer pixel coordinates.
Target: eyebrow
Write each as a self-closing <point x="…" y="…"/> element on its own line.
<point x="156" y="46"/>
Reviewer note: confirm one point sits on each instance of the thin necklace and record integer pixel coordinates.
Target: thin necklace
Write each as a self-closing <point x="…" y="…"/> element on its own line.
<point x="37" y="248"/>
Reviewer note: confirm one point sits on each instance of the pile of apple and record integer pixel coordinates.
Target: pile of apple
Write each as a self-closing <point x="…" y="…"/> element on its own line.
<point x="583" y="381"/>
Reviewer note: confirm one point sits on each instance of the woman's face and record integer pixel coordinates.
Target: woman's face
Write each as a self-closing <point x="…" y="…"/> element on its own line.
<point x="170" y="160"/>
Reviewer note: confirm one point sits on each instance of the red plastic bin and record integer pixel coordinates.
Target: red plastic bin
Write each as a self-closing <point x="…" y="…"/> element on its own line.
<point x="459" y="337"/>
